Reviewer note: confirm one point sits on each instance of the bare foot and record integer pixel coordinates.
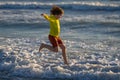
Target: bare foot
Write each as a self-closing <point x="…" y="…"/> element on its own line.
<point x="41" y="47"/>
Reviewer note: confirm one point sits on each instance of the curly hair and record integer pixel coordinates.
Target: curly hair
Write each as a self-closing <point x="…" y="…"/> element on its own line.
<point x="56" y="10"/>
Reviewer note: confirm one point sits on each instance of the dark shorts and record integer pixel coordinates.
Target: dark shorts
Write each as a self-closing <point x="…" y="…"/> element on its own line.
<point x="55" y="41"/>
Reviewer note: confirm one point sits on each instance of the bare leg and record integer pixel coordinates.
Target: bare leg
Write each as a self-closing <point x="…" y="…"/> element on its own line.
<point x="64" y="53"/>
<point x="48" y="47"/>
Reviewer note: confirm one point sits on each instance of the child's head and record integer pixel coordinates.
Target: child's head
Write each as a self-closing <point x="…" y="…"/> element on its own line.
<point x="57" y="11"/>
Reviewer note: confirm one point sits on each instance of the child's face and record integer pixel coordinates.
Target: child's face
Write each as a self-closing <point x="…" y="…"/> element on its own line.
<point x="58" y="16"/>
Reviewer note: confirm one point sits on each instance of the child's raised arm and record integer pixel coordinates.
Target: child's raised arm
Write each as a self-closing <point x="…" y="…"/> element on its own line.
<point x="46" y="16"/>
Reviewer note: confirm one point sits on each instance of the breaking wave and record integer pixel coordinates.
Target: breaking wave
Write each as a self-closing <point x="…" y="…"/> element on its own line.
<point x="65" y="5"/>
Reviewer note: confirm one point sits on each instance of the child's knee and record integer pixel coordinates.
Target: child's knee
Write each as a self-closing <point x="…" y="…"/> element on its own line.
<point x="63" y="47"/>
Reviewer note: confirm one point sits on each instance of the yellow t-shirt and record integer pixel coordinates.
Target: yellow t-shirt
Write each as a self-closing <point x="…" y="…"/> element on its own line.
<point x="54" y="25"/>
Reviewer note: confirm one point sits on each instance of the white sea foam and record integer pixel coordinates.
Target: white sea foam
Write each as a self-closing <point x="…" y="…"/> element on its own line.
<point x="20" y="57"/>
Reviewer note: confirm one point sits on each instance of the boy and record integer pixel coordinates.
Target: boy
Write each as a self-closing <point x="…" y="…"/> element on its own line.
<point x="55" y="40"/>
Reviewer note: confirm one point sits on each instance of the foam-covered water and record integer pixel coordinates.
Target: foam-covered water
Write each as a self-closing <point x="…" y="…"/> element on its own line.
<point x="89" y="29"/>
<point x="88" y="60"/>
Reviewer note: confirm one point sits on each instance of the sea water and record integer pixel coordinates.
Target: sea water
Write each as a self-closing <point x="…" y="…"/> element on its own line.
<point x="90" y="31"/>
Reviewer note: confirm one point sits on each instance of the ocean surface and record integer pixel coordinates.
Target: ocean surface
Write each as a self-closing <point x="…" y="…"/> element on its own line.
<point x="90" y="29"/>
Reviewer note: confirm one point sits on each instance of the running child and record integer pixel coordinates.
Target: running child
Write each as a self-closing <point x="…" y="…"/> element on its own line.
<point x="54" y="34"/>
